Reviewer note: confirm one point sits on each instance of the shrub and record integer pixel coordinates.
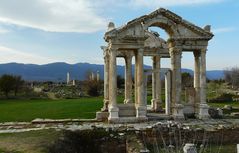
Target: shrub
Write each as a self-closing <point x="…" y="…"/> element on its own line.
<point x="225" y="97"/>
<point x="88" y="141"/>
<point x="93" y="87"/>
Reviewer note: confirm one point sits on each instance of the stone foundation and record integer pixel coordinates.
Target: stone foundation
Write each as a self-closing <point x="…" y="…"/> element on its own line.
<point x="102" y="116"/>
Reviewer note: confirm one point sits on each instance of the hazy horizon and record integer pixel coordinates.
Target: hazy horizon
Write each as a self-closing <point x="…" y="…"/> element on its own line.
<point x="101" y="64"/>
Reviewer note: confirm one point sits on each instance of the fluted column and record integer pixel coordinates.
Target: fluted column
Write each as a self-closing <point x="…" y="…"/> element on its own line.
<point x="168" y="92"/>
<point x="141" y="109"/>
<point x="175" y="54"/>
<point x="135" y="81"/>
<point x="113" y="109"/>
<point x="153" y="84"/>
<point x="106" y="80"/>
<point x="128" y="79"/>
<point x="203" y="108"/>
<point x="156" y="84"/>
<point x="197" y="76"/>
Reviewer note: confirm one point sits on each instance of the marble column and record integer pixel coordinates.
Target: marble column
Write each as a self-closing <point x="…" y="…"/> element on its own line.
<point x="153" y="84"/>
<point x="175" y="54"/>
<point x="141" y="107"/>
<point x="168" y="92"/>
<point x="113" y="108"/>
<point x="128" y="79"/>
<point x="135" y="80"/>
<point x="203" y="107"/>
<point x="106" y="80"/>
<point x="156" y="84"/>
<point x="145" y="86"/>
<point x="197" y="77"/>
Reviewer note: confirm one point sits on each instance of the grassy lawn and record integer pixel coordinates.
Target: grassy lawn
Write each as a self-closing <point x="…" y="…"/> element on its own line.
<point x="27" y="110"/>
<point x="222" y="104"/>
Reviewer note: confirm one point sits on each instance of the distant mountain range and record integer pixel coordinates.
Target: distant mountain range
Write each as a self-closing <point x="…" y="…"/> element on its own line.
<point x="57" y="71"/>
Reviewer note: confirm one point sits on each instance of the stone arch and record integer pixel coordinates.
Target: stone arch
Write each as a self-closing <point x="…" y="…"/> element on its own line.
<point x="164" y="23"/>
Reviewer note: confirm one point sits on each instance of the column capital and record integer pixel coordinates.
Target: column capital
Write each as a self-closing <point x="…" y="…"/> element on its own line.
<point x="196" y="53"/>
<point x="175" y="51"/>
<point x="128" y="56"/>
<point x="111" y="48"/>
<point x="140" y="50"/>
<point x="105" y="51"/>
<point x="156" y="57"/>
<point x="204" y="50"/>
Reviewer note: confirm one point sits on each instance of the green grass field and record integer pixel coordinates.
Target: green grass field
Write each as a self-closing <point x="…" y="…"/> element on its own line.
<point x="35" y="141"/>
<point x="27" y="110"/>
<point x="222" y="104"/>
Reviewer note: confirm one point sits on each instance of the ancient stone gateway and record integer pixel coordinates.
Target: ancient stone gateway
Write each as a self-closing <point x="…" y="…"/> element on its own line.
<point x="135" y="40"/>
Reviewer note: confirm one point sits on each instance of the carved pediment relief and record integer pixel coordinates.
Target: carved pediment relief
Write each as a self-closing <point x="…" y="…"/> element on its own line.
<point x="173" y="24"/>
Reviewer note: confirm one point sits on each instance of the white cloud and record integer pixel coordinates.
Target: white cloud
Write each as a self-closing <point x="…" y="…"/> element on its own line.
<point x="168" y="3"/>
<point x="74" y="15"/>
<point x="223" y="30"/>
<point x="12" y="55"/>
<point x="53" y="15"/>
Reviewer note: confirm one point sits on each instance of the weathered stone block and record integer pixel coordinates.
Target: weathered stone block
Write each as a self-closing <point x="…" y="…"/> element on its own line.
<point x="102" y="116"/>
<point x="203" y="111"/>
<point x="189" y="148"/>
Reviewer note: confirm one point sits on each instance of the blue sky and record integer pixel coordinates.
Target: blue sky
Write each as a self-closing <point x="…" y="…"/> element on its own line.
<point x="45" y="31"/>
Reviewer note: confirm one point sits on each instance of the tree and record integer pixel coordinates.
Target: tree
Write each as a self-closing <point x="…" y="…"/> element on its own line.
<point x="232" y="76"/>
<point x="18" y="83"/>
<point x="93" y="87"/>
<point x="88" y="74"/>
<point x="120" y="82"/>
<point x="7" y="84"/>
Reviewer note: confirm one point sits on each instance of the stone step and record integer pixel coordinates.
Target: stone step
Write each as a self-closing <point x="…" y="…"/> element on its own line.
<point x="157" y="116"/>
<point x="128" y="120"/>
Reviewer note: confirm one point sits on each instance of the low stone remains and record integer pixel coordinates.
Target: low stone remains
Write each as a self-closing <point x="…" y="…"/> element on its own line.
<point x="189" y="148"/>
<point x="135" y="41"/>
<point x="228" y="107"/>
<point x="215" y="113"/>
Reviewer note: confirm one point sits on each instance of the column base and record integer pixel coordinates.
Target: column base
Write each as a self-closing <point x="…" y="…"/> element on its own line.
<point x="113" y="114"/>
<point x="152" y="104"/>
<point x="128" y="101"/>
<point x="141" y="112"/>
<point x="203" y="111"/>
<point x="178" y="112"/>
<point x="105" y="107"/>
<point x="158" y="106"/>
<point x="102" y="116"/>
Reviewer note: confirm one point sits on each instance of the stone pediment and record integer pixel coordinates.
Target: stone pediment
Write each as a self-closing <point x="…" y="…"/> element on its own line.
<point x="174" y="25"/>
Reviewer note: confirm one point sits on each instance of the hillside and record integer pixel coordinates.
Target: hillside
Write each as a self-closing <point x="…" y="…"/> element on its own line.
<point x="57" y="71"/>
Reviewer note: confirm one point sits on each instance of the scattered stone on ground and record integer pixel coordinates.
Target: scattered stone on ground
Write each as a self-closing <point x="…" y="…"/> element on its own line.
<point x="228" y="107"/>
<point x="73" y="125"/>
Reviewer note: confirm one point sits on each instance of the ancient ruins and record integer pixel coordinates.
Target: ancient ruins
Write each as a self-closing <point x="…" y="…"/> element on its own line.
<point x="135" y="40"/>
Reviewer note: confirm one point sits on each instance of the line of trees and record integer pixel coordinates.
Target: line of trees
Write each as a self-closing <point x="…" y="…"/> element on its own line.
<point x="232" y="76"/>
<point x="10" y="83"/>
